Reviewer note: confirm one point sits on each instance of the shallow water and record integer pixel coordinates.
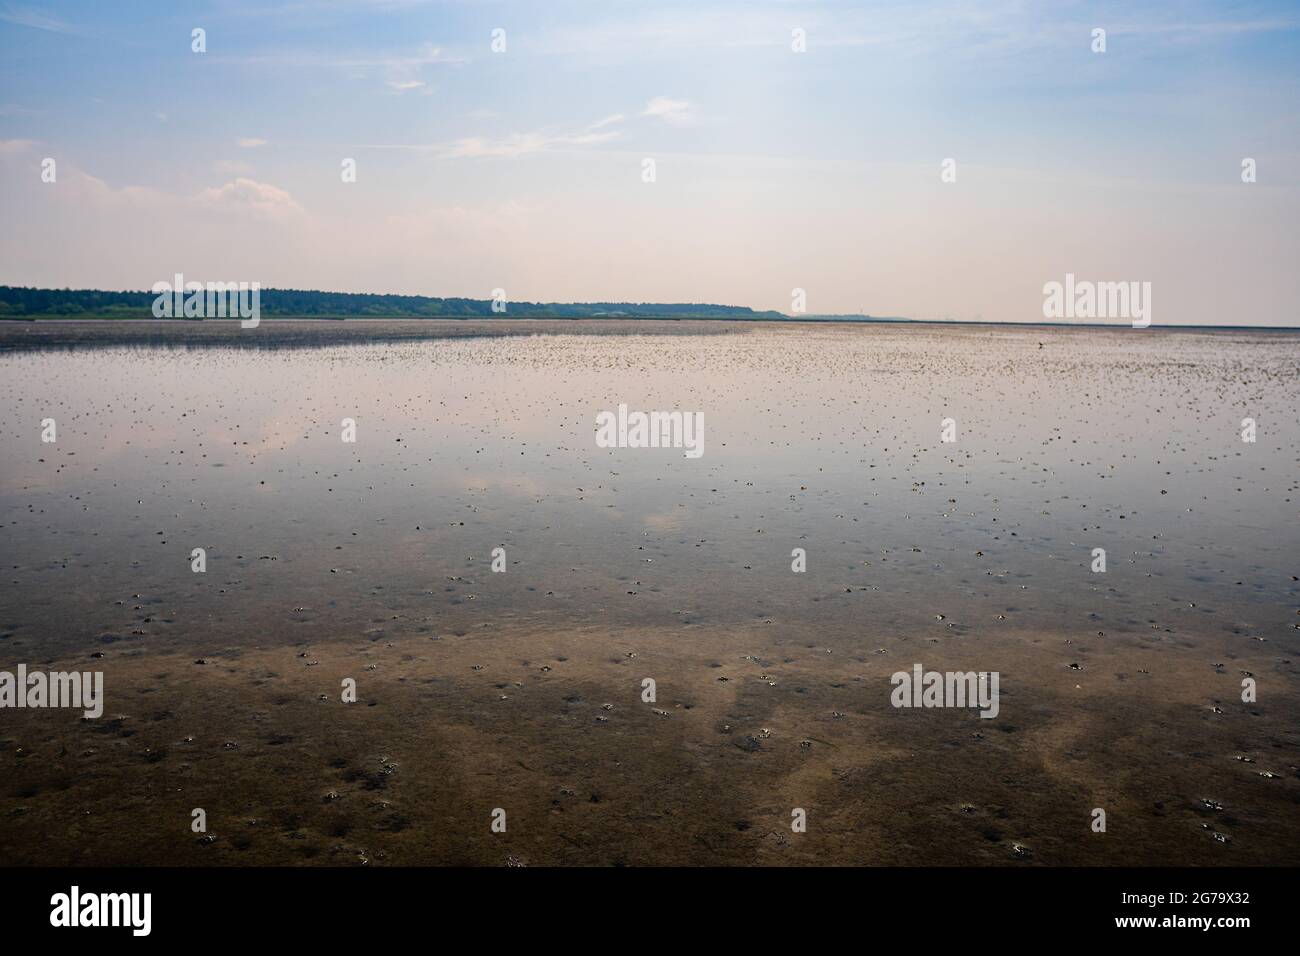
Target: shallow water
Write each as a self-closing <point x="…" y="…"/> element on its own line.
<point x="975" y="552"/>
<point x="823" y="439"/>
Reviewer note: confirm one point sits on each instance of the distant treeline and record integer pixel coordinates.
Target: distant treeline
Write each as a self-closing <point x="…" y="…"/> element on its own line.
<point x="18" y="302"/>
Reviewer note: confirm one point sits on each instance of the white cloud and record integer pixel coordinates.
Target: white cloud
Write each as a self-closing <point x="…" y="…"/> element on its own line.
<point x="248" y="194"/>
<point x="250" y="142"/>
<point x="425" y="54"/>
<point x="671" y="111"/>
<point x="404" y="73"/>
<point x="520" y="144"/>
<point x="82" y="189"/>
<point x="516" y="144"/>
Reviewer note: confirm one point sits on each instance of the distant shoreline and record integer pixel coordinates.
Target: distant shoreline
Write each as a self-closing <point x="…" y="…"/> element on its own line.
<point x="33" y="304"/>
<point x="9" y="320"/>
<point x="65" y="334"/>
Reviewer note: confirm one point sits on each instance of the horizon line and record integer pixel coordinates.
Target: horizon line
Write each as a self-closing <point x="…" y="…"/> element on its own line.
<point x="756" y="315"/>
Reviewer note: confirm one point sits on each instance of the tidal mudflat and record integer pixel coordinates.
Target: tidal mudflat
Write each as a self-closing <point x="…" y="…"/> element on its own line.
<point x="522" y="690"/>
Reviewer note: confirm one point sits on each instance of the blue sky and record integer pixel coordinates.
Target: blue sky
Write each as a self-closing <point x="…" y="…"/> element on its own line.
<point x="774" y="169"/>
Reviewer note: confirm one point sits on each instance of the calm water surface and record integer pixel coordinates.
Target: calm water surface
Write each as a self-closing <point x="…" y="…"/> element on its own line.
<point x="823" y="439"/>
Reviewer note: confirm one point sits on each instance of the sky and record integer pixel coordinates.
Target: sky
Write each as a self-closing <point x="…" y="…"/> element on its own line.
<point x="524" y="168"/>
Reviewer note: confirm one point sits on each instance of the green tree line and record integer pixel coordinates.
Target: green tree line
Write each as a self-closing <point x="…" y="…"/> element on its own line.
<point x="17" y="302"/>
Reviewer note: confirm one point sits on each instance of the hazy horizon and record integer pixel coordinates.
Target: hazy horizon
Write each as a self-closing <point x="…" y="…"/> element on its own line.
<point x="768" y="315"/>
<point x="775" y="169"/>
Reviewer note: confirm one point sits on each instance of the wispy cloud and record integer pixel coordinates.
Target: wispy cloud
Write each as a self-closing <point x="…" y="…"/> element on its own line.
<point x="425" y="55"/>
<point x="241" y="195"/>
<point x="402" y="72"/>
<point x="11" y="147"/>
<point x="27" y="17"/>
<point x="903" y="28"/>
<point x="604" y="130"/>
<point x="516" y="144"/>
<point x="250" y="142"/>
<point x="671" y="111"/>
<point x="296" y="8"/>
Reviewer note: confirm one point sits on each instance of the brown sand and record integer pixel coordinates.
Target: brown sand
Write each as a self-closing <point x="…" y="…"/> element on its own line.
<point x="709" y="774"/>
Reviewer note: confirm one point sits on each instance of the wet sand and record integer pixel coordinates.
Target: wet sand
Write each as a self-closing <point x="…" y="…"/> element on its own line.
<point x="552" y="729"/>
<point x="317" y="333"/>
<point x="478" y="690"/>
